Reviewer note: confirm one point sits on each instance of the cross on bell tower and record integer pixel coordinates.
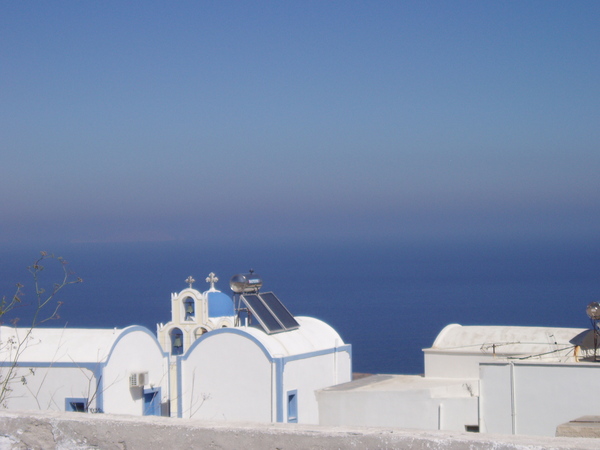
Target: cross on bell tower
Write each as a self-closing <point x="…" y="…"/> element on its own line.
<point x="212" y="279"/>
<point x="190" y="280"/>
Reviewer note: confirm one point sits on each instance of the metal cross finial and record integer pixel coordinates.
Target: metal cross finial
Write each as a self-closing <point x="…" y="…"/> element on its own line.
<point x="212" y="279"/>
<point x="190" y="280"/>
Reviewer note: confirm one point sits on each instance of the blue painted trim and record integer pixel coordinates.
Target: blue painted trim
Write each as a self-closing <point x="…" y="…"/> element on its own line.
<point x="93" y="366"/>
<point x="124" y="332"/>
<point x="292" y="406"/>
<point x="69" y="400"/>
<point x="100" y="383"/>
<point x="179" y="388"/>
<point x="90" y="364"/>
<point x="228" y="330"/>
<point x="243" y="333"/>
<point x="279" y="366"/>
<point x="279" y="362"/>
<point x="327" y="351"/>
<point x="60" y="365"/>
<point x="132" y="329"/>
<point x="96" y="367"/>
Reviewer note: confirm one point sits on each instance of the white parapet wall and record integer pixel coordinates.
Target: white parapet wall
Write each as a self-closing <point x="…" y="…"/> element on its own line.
<point x="50" y="429"/>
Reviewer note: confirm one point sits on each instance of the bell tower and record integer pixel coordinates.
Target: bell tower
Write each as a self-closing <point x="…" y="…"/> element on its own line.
<point x="194" y="313"/>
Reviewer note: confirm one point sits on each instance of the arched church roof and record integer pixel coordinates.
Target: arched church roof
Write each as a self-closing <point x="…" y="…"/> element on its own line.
<point x="508" y="340"/>
<point x="62" y="345"/>
<point x="219" y="304"/>
<point x="312" y="335"/>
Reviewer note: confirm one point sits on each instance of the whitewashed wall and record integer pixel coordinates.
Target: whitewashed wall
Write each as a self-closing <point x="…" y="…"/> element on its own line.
<point x="227" y="376"/>
<point x="445" y="364"/>
<point x="404" y="409"/>
<point x="102" y="379"/>
<point x="307" y="375"/>
<point x="534" y="398"/>
<point x="236" y="374"/>
<point x="135" y="351"/>
<point x="45" y="388"/>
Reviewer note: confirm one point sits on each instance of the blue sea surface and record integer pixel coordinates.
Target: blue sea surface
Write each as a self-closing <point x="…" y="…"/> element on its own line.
<point x="388" y="300"/>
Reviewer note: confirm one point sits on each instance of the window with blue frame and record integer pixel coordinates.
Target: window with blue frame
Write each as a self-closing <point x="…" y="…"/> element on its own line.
<point x="76" y="404"/>
<point x="292" y="406"/>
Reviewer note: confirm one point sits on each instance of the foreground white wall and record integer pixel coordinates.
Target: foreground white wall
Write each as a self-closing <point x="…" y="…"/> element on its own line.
<point x="534" y="398"/>
<point x="93" y="431"/>
<point x="400" y="401"/>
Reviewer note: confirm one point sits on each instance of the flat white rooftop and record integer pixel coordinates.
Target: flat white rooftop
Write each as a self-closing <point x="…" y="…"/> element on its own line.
<point x="448" y="387"/>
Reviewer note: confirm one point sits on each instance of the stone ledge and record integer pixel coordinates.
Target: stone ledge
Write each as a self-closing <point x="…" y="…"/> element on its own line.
<point x="586" y="427"/>
<point x="48" y="429"/>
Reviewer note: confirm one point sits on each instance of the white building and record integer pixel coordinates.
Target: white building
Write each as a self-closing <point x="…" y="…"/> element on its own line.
<point x="244" y="374"/>
<point x="262" y="366"/>
<point x="121" y="371"/>
<point x="525" y="380"/>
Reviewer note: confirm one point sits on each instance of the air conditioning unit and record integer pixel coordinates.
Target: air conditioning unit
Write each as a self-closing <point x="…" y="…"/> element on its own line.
<point x="138" y="379"/>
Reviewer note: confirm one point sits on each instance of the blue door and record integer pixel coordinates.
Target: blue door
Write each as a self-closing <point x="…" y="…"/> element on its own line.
<point x="152" y="402"/>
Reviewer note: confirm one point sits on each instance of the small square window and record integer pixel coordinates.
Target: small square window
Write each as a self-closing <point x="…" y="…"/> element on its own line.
<point x="292" y="407"/>
<point x="76" y="404"/>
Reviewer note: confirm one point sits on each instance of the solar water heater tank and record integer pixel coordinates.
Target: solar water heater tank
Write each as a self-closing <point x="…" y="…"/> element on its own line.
<point x="245" y="283"/>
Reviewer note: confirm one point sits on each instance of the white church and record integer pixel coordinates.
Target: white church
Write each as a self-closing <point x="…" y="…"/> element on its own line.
<point x="247" y="358"/>
<point x="215" y="359"/>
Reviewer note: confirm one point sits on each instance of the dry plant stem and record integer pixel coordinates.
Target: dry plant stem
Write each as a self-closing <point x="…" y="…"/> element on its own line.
<point x="43" y="301"/>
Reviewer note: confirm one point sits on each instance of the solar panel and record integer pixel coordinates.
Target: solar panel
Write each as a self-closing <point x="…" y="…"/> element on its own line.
<point x="272" y="315"/>
<point x="279" y="310"/>
<point x="262" y="313"/>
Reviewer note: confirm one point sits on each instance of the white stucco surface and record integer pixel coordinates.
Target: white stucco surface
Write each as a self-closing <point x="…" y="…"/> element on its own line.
<point x="92" y="366"/>
<point x="135" y="352"/>
<point x="534" y="398"/>
<point x="408" y="401"/>
<point x="312" y="335"/>
<point x="243" y="373"/>
<point x="58" y="344"/>
<point x="227" y="377"/>
<point x="513" y="380"/>
<point x="458" y="350"/>
<point x="509" y="340"/>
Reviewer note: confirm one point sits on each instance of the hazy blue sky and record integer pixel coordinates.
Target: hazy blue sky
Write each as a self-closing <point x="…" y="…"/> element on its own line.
<point x="365" y="120"/>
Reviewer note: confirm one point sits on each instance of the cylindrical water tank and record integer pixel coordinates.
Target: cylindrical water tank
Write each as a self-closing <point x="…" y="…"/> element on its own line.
<point x="245" y="283"/>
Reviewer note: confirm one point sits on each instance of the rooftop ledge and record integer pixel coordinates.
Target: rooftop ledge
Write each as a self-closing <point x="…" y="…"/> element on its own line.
<point x="49" y="429"/>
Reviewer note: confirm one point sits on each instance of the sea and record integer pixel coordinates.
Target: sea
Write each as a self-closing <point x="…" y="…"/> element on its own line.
<point x="388" y="299"/>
